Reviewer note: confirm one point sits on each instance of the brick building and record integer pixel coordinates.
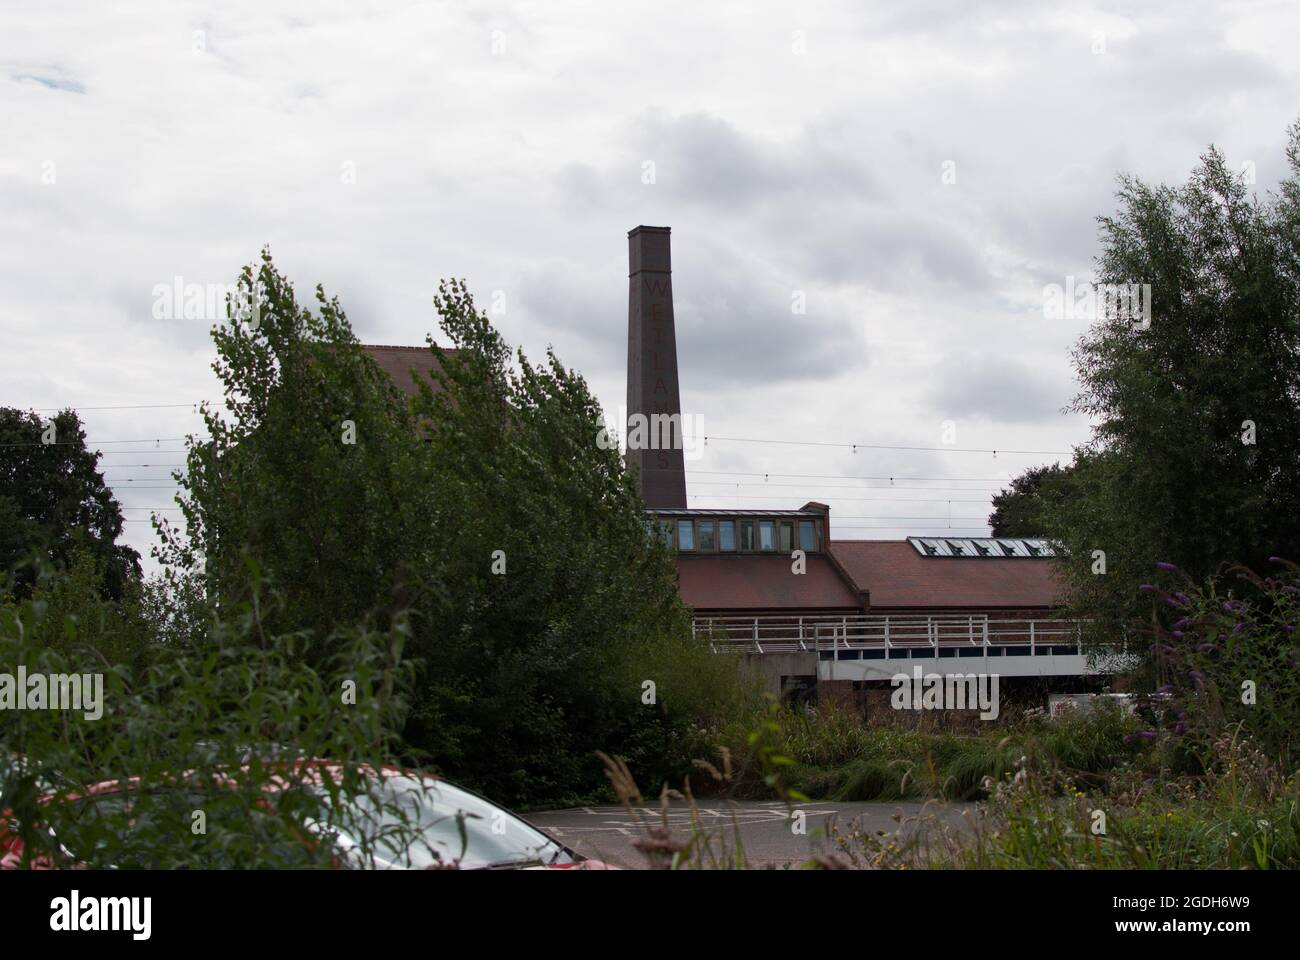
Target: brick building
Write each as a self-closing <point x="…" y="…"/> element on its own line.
<point x="778" y="582"/>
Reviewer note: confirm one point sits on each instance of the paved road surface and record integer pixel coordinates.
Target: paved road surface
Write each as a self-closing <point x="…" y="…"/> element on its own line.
<point x="766" y="828"/>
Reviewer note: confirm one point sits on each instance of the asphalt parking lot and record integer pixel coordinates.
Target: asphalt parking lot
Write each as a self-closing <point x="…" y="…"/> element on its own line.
<point x="768" y="833"/>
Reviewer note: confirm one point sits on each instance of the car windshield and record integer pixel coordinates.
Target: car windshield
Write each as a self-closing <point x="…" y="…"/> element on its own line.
<point x="418" y="823"/>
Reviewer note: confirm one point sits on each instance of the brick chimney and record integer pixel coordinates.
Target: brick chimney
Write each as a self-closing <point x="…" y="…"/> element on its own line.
<point x="652" y="389"/>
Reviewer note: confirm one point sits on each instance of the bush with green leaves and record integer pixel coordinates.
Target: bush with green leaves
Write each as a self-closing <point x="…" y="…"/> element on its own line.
<point x="191" y="759"/>
<point x="835" y="755"/>
<point x="1226" y="657"/>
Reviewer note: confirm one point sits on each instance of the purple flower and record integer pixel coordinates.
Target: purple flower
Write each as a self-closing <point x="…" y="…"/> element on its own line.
<point x="1178" y="634"/>
<point x="1288" y="628"/>
<point x="1144" y="735"/>
<point x="1170" y="601"/>
<point x="1198" y="678"/>
<point x="1207" y="647"/>
<point x="1168" y="687"/>
<point x="1239" y="629"/>
<point x="1146" y="587"/>
<point x="1162" y="648"/>
<point x="1162" y="565"/>
<point x="1180" y="728"/>
<point x="1183" y="598"/>
<point x="1183" y="622"/>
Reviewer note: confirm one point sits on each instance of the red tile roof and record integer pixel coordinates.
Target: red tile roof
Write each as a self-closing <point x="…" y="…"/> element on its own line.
<point x="398" y="362"/>
<point x="755" y="582"/>
<point x="897" y="576"/>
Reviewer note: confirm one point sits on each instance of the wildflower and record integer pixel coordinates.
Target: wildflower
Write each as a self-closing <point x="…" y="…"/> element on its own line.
<point x="1183" y="623"/>
<point x="1207" y="647"/>
<point x="1239" y="629"/>
<point x="1162" y="565"/>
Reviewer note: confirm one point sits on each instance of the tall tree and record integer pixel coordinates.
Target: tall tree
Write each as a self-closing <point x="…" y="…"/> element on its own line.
<point x="1021" y="510"/>
<point x="482" y="515"/>
<point x="54" y="502"/>
<point x="309" y="476"/>
<point x="1195" y="458"/>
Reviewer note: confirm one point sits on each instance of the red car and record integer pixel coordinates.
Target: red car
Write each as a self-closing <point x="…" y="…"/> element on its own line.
<point x="404" y="819"/>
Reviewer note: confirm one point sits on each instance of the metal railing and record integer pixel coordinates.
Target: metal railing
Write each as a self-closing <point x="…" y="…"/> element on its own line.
<point x="1016" y="636"/>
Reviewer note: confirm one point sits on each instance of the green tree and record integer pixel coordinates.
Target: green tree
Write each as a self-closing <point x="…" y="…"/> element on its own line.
<point x="1020" y="511"/>
<point x="554" y="645"/>
<point x="54" y="503"/>
<point x="309" y="477"/>
<point x="536" y="603"/>
<point x="1195" y="458"/>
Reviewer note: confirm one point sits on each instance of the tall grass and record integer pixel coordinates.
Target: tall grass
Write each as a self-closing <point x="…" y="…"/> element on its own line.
<point x="835" y="756"/>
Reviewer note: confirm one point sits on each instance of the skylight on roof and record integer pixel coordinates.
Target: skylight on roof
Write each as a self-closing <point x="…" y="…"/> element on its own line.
<point x="981" y="547"/>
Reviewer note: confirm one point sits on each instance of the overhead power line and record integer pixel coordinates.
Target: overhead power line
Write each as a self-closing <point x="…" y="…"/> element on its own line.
<point x="877" y="499"/>
<point x="881" y="446"/>
<point x="129" y="406"/>
<point x="838" y="476"/>
<point x="722" y="496"/>
<point x="66" y="443"/>
<point x="819" y="486"/>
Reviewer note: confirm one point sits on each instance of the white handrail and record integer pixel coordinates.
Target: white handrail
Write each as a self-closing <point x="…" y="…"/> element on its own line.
<point x="776" y="633"/>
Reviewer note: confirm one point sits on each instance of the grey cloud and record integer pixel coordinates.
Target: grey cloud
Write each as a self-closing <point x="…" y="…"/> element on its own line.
<point x="703" y="159"/>
<point x="985" y="386"/>
<point x="735" y="323"/>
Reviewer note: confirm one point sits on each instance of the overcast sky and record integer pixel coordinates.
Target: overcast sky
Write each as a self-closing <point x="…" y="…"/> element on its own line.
<point x="377" y="147"/>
